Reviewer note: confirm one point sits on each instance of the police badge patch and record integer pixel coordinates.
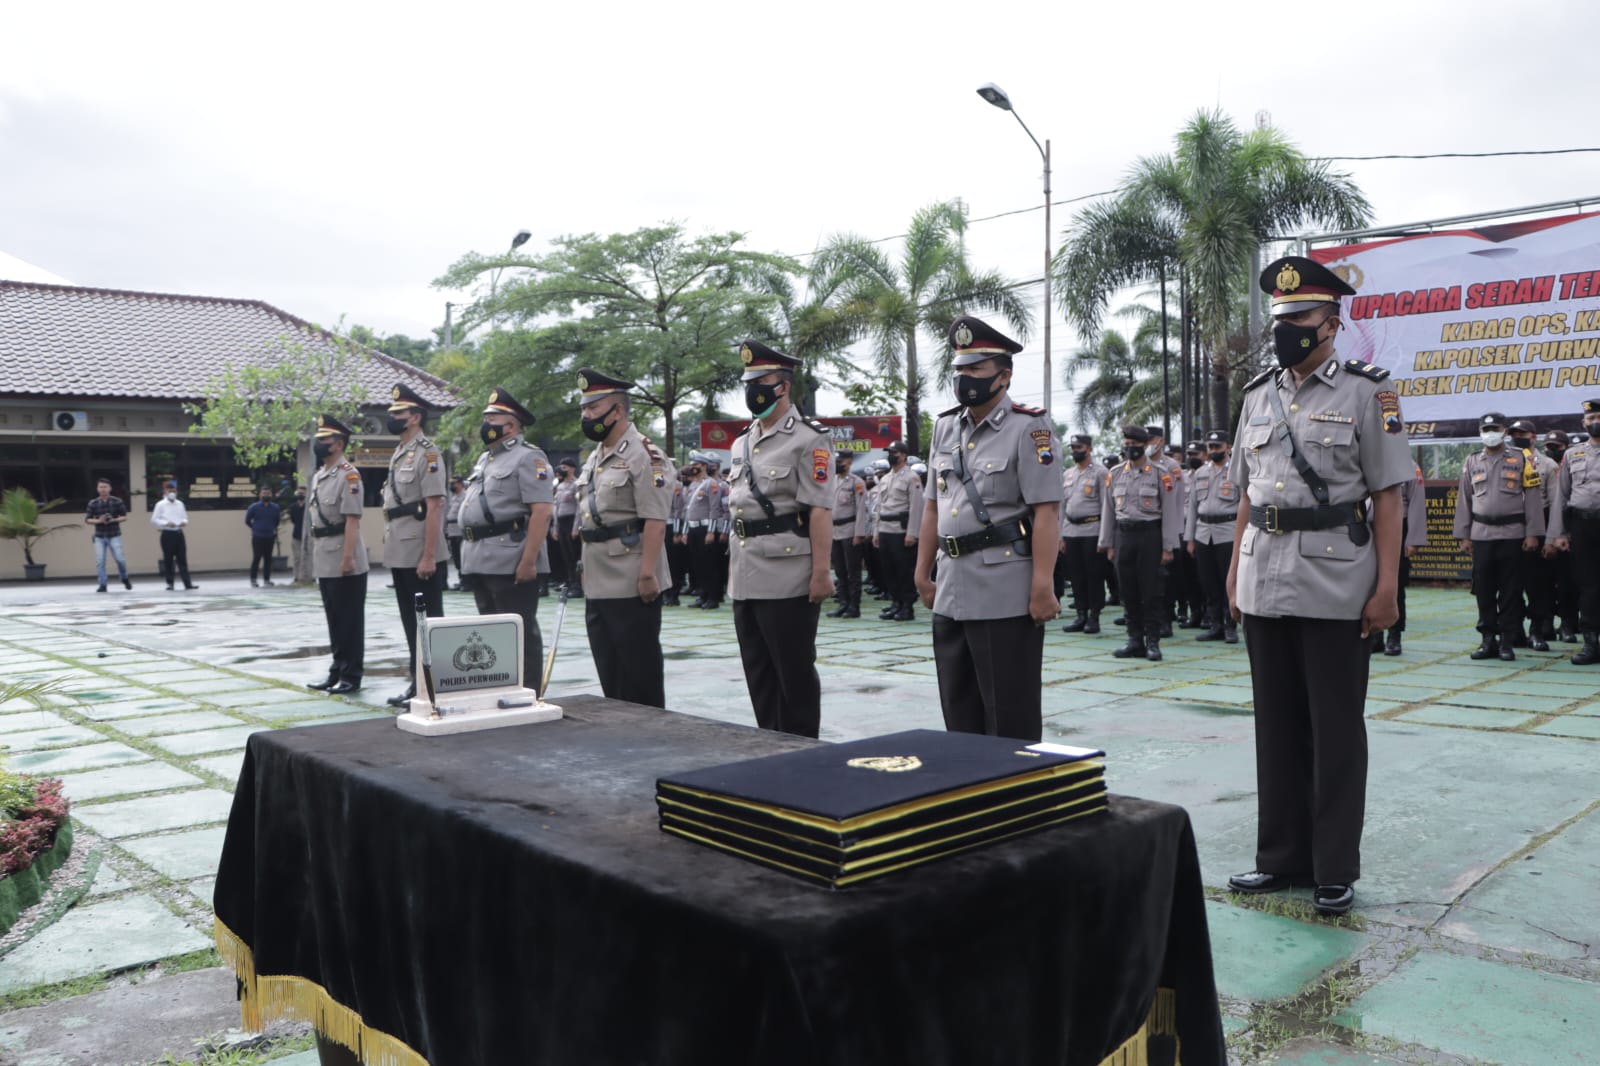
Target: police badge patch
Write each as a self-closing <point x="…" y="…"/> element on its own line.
<point x="819" y="464"/>
<point x="1041" y="445"/>
<point x="1389" y="404"/>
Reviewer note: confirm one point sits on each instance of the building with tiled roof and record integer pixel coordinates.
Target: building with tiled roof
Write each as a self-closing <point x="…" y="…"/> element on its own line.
<point x="96" y="383"/>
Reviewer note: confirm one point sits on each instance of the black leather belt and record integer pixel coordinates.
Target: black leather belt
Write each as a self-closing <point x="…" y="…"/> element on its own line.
<point x="418" y="510"/>
<point x="999" y="533"/>
<point x="899" y="516"/>
<point x="1500" y="519"/>
<point x="332" y="529"/>
<point x="1217" y="516"/>
<point x="1132" y="525"/>
<point x="493" y="529"/>
<point x="627" y="531"/>
<point x="1301" y="519"/>
<point x="1083" y="521"/>
<point x="1583" y="513"/>
<point x="845" y="521"/>
<point x="761" y="527"/>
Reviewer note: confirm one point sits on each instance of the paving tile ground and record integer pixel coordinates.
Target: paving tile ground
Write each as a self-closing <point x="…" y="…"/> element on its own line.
<point x="1480" y="852"/>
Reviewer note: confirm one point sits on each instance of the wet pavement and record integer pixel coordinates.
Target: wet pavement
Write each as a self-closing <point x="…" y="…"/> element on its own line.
<point x="1476" y="936"/>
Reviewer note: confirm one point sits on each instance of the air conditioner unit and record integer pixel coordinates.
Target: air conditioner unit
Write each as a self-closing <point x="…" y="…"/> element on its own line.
<point x="71" y="421"/>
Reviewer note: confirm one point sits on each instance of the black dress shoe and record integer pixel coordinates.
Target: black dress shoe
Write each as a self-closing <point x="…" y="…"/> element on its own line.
<point x="323" y="685"/>
<point x="1230" y="634"/>
<point x="710" y="605"/>
<point x="905" y="614"/>
<point x="1210" y="634"/>
<point x="851" y="612"/>
<point x="1507" y="655"/>
<point x="1077" y="625"/>
<point x="888" y="613"/>
<point x="1392" y="645"/>
<point x="344" y="687"/>
<point x="1092" y="626"/>
<point x="838" y="612"/>
<point x="1192" y="624"/>
<point x="1130" y="650"/>
<point x="1484" y="650"/>
<point x="1256" y="882"/>
<point x="1166" y="629"/>
<point x="1566" y="635"/>
<point x="1538" y="644"/>
<point x="1120" y="620"/>
<point x="1152" y="651"/>
<point x="404" y="699"/>
<point x="1333" y="899"/>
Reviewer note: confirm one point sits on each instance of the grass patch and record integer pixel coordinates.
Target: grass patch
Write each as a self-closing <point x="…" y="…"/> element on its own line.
<point x="34" y="995"/>
<point x="249" y="1054"/>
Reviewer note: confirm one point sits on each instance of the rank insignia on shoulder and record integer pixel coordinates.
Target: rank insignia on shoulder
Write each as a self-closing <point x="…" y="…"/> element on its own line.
<point x="818" y="426"/>
<point x="1265" y="376"/>
<point x="952" y="411"/>
<point x="1389" y="406"/>
<point x="1024" y="409"/>
<point x="1365" y="369"/>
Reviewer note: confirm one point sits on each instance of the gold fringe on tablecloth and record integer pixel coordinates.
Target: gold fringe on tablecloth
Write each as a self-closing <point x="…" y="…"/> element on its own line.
<point x="1162" y="1021"/>
<point x="267" y="998"/>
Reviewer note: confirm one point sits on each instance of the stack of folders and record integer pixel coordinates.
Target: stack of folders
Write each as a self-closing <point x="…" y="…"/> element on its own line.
<point x="840" y="814"/>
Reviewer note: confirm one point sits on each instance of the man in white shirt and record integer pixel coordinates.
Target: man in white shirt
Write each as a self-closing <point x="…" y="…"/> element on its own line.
<point x="170" y="516"/>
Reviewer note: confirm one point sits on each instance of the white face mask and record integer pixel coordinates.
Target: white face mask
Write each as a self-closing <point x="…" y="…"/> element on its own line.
<point x="1492" y="438"/>
<point x="172" y="495"/>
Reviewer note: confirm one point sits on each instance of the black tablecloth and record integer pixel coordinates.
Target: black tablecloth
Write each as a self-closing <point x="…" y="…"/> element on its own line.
<point x="506" y="897"/>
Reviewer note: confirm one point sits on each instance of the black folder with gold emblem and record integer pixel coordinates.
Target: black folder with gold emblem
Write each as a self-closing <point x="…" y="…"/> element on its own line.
<point x="843" y="813"/>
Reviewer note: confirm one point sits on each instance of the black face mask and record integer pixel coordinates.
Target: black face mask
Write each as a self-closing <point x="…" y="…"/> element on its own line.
<point x="1593" y="429"/>
<point x="1194" y="462"/>
<point x="596" y="428"/>
<point x="1133" y="451"/>
<point x="1524" y="443"/>
<point x="396" y="426"/>
<point x="760" y="397"/>
<point x="1293" y="343"/>
<point x="1554" y="451"/>
<point x="1217" y="457"/>
<point x="1079" y="455"/>
<point x="975" y="391"/>
<point x="488" y="432"/>
<point x="322" y="451"/>
<point x="841" y="468"/>
<point x="896" y="460"/>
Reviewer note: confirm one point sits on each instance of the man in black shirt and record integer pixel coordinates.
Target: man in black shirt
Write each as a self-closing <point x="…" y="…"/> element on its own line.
<point x="106" y="514"/>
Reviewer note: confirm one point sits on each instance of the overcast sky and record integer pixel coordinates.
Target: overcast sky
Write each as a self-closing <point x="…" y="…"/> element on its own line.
<point x="333" y="158"/>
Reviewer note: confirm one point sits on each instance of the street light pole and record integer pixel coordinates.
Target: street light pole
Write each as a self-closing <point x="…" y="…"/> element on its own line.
<point x="517" y="241"/>
<point x="997" y="96"/>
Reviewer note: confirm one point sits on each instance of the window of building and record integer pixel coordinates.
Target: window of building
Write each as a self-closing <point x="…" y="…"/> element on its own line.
<point x="210" y="479"/>
<point x="65" y="471"/>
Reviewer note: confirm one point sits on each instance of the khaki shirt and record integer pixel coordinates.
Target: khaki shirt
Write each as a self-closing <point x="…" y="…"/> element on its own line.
<point x="634" y="481"/>
<point x="1211" y="492"/>
<point x="702" y="502"/>
<point x="1414" y="506"/>
<point x="566" y="498"/>
<point x="871" y="503"/>
<point x="900" y="493"/>
<point x="1081" y="490"/>
<point x="1010" y="458"/>
<point x="1578" y="485"/>
<point x="849" y="503"/>
<point x="1142" y="492"/>
<point x="1548" y="470"/>
<point x="509" y="476"/>
<point x="416" y="472"/>
<point x="1349" y="423"/>
<point x="452" y="513"/>
<point x="335" y="493"/>
<point x="1499" y="484"/>
<point x="792" y="463"/>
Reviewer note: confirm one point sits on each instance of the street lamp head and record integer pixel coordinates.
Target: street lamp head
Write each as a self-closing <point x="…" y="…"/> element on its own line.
<point x="520" y="239"/>
<point x="995" y="95"/>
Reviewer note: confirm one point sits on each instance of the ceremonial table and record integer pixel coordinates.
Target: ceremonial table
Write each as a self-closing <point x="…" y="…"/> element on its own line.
<point x="506" y="897"/>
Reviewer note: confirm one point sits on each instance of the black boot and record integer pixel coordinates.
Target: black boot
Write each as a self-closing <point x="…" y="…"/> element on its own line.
<point x="1152" y="650"/>
<point x="1134" y="649"/>
<point x="1077" y="625"/>
<point x="1590" y="652"/>
<point x="1230" y="633"/>
<point x="1566" y="634"/>
<point x="1507" y="642"/>
<point x="1214" y="633"/>
<point x="1166" y="629"/>
<point x="1092" y="626"/>
<point x="839" y="612"/>
<point x="1487" y="649"/>
<point x="1377" y="642"/>
<point x="1392" y="645"/>
<point x="1537" y="642"/>
<point x="404" y="699"/>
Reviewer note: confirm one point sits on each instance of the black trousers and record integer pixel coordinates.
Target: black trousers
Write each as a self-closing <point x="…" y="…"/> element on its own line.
<point x="501" y="594"/>
<point x="1211" y="568"/>
<point x="778" y="645"/>
<point x="872" y="562"/>
<point x="344" y="605"/>
<point x="625" y="640"/>
<point x="989" y="675"/>
<point x="1585" y="552"/>
<point x="899" y="567"/>
<point x="174" y="557"/>
<point x="406" y="586"/>
<point x="1138" y="565"/>
<point x="1497" y="569"/>
<point x="261" y="555"/>
<point x="566" y="552"/>
<point x="847" y="571"/>
<point x="1566" y="588"/>
<point x="1400" y="592"/>
<point x="678" y="563"/>
<point x="1183" y="583"/>
<point x="1309" y="677"/>
<point x="1538" y="585"/>
<point x="1086" y="565"/>
<point x="706" y="566"/>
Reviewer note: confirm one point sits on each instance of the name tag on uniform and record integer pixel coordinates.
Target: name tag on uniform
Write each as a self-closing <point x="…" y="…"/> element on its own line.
<point x="1334" y="416"/>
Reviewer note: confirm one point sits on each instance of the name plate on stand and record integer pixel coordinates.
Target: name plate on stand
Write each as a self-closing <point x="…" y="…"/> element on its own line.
<point x="473" y="667"/>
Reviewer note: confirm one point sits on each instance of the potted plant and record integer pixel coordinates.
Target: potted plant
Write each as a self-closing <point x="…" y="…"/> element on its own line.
<point x="19" y="520"/>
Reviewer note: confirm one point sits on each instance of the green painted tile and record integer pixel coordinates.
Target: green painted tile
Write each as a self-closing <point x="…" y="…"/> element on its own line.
<point x="263" y="697"/>
<point x="1564" y="693"/>
<point x="123" y="780"/>
<point x="181" y="856"/>
<point x="42" y="739"/>
<point x="205" y="741"/>
<point x="1233" y="695"/>
<point x="104" y="712"/>
<point x="212" y="685"/>
<point x="1309" y="1051"/>
<point x="1482" y="1010"/>
<point x="1505" y="701"/>
<point x="174" y="723"/>
<point x="224" y="766"/>
<point x="84" y="757"/>
<point x="1571" y="725"/>
<point x="1479" y="717"/>
<point x="1120" y="685"/>
<point x="156" y="814"/>
<point x="1589" y="710"/>
<point x="98" y="938"/>
<point x="1259" y="957"/>
<point x="28" y="720"/>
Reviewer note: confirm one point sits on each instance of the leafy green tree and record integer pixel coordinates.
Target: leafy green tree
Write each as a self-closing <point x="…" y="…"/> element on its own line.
<point x="1121" y="379"/>
<point x="894" y="302"/>
<point x="656" y="306"/>
<point x="1201" y="212"/>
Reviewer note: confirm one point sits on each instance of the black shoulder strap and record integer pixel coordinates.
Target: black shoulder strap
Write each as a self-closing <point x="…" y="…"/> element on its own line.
<point x="1319" y="487"/>
<point x="966" y="482"/>
<point x="750" y="476"/>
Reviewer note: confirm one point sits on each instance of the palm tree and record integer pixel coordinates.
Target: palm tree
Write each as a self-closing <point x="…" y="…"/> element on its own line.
<point x="1201" y="213"/>
<point x="892" y="302"/>
<point x="1124" y="383"/>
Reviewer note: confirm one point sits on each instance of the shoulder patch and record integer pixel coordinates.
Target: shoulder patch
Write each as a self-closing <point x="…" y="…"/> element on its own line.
<point x="1389" y="410"/>
<point x="1260" y="378"/>
<point x="1024" y="409"/>
<point x="1366" y="370"/>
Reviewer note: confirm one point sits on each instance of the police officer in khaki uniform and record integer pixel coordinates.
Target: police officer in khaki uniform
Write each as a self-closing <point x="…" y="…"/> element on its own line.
<point x="413" y="514"/>
<point x="781" y="500"/>
<point x="1538" y="575"/>
<point x="565" y="547"/>
<point x="702" y="510"/>
<point x="992" y="522"/>
<point x="1575" y="528"/>
<point x="1141" y="526"/>
<point x="1313" y="580"/>
<point x="1082" y="483"/>
<point x="509" y="502"/>
<point x="1170" y="459"/>
<point x="1499" y="517"/>
<point x="338" y="555"/>
<point x="900" y="499"/>
<point x="849" y="532"/>
<point x="1208" y="529"/>
<point x="624" y="503"/>
<point x="1560" y="563"/>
